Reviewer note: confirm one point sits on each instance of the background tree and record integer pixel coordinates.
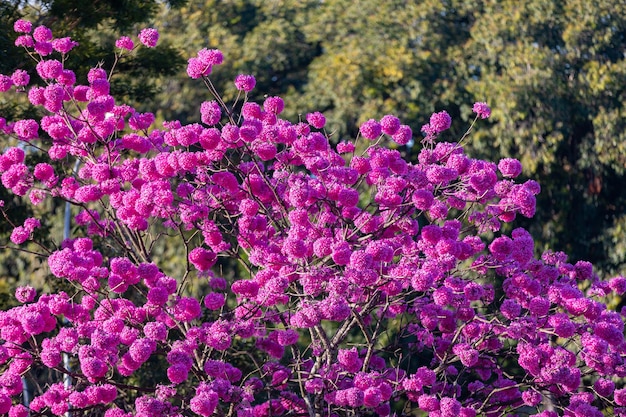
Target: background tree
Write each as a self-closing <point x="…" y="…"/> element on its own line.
<point x="378" y="58"/>
<point x="555" y="75"/>
<point x="264" y="38"/>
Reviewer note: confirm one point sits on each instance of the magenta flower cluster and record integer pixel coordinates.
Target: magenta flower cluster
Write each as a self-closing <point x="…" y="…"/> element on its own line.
<point x="372" y="282"/>
<point x="148" y="36"/>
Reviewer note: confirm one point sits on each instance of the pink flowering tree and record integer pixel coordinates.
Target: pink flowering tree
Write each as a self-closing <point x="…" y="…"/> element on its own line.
<point x="367" y="286"/>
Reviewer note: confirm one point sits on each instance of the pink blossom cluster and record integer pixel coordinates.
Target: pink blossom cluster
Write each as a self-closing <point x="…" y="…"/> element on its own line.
<point x="41" y="40"/>
<point x="371" y="281"/>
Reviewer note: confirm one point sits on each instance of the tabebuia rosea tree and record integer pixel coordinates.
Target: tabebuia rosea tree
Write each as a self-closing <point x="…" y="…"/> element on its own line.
<point x="366" y="285"/>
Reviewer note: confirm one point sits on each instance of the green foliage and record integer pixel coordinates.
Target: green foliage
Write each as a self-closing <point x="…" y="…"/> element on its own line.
<point x="258" y="37"/>
<point x="122" y="15"/>
<point x="554" y="73"/>
<point x="11" y="59"/>
<point x="383" y="58"/>
<point x="90" y="13"/>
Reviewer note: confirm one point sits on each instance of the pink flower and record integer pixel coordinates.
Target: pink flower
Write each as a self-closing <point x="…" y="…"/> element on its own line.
<point x="43" y="48"/>
<point x="204" y="403"/>
<point x="187" y="309"/>
<point x="348" y="197"/>
<point x="141" y="121"/>
<point x="450" y="407"/>
<point x="563" y="326"/>
<point x="80" y="93"/>
<point x="136" y="143"/>
<point x="100" y="89"/>
<point x="245" y="288"/>
<point x="42" y="34"/>
<point x="345" y="147"/>
<point x="88" y="193"/>
<point x="428" y="402"/>
<point x="341" y="253"/>
<point x="620" y="397"/>
<point x="349" y="359"/>
<point x="53" y="95"/>
<point x="539" y="306"/>
<point x="19" y="235"/>
<point x="96" y="74"/>
<point x="63" y="45"/>
<point x="214" y="301"/>
<point x="483" y="180"/>
<point x="196" y="68"/>
<point x="371" y="129"/>
<point x="125" y="42"/>
<point x="211" y="56"/>
<point x="105" y="394"/>
<point x="32" y="322"/>
<point x="440" y="121"/>
<point x="5" y="403"/>
<point x="618" y="284"/>
<point x="280" y="377"/>
<point x="31" y="224"/>
<point x="149" y="37"/>
<point x="177" y="373"/>
<point x="178" y="355"/>
<point x="209" y="138"/>
<point x="316" y="119"/>
<point x="482" y="110"/>
<point x="156" y="331"/>
<point x="25" y="294"/>
<point x="403" y="135"/>
<point x="141" y="349"/>
<point x="202" y="259"/>
<point x="22" y="26"/>
<point x="467" y="412"/>
<point x="510" y="309"/>
<point x="314" y="386"/>
<point x="509" y="167"/>
<point x="5" y="83"/>
<point x="20" y="78"/>
<point x="25" y="41"/>
<point x="287" y="337"/>
<point x="43" y="171"/>
<point x="274" y="105"/>
<point x="265" y="151"/>
<point x="214" y="368"/>
<point x="14" y="156"/>
<point x="372" y="397"/>
<point x="93" y="368"/>
<point x="422" y="199"/>
<point x="245" y="82"/>
<point x="354" y="397"/>
<point x="390" y="124"/>
<point x="467" y="354"/>
<point x="609" y="332"/>
<point x="18" y="410"/>
<point x="210" y="112"/>
<point x="604" y="387"/>
<point x="251" y="110"/>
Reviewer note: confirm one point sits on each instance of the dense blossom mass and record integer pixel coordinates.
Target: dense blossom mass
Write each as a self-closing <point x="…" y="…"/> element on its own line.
<point x="368" y="285"/>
